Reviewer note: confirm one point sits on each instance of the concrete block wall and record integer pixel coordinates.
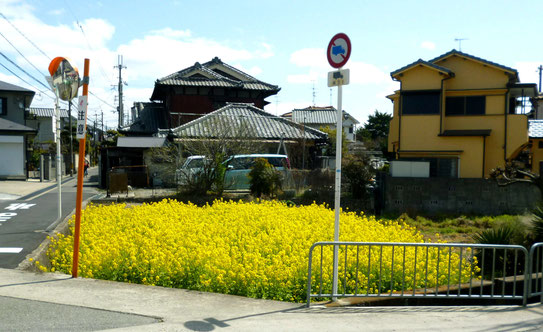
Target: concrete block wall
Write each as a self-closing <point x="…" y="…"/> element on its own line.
<point x="439" y="196"/>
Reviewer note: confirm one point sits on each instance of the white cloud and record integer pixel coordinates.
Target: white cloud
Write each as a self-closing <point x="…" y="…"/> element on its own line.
<point x="310" y="57"/>
<point x="57" y="12"/>
<point x="311" y="77"/>
<point x="363" y="73"/>
<point x="170" y="33"/>
<point x="428" y="45"/>
<point x="315" y="59"/>
<point x="528" y="72"/>
<point x="153" y="55"/>
<point x="285" y="106"/>
<point x="265" y="51"/>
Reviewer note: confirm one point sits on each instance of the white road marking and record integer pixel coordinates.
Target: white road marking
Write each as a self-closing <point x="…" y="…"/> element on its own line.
<point x="10" y="250"/>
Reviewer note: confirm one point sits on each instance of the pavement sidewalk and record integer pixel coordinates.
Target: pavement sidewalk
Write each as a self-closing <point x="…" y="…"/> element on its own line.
<point x="164" y="309"/>
<point x="16" y="189"/>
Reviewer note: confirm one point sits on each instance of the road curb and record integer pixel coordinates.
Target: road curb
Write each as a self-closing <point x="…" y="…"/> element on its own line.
<point x="40" y="253"/>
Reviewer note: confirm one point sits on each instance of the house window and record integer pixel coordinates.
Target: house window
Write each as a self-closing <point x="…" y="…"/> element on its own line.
<point x="3" y="106"/>
<point x="420" y="102"/>
<point x="474" y="105"/>
<point x="540" y="144"/>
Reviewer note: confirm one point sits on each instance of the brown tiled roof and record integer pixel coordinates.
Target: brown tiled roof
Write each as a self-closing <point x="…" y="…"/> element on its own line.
<point x="210" y="74"/>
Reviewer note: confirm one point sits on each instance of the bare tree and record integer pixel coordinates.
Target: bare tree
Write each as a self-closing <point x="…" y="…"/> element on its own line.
<point x="218" y="138"/>
<point x="513" y="173"/>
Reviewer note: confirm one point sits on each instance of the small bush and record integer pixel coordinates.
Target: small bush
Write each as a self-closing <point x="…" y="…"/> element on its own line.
<point x="264" y="179"/>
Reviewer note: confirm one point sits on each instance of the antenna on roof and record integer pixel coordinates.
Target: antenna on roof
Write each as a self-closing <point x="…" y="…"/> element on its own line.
<point x="314" y="94"/>
<point x="459" y="40"/>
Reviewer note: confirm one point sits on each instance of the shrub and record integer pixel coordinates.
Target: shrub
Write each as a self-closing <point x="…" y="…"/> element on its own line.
<point x="537" y="224"/>
<point x="264" y="179"/>
<point x="257" y="249"/>
<point x="358" y="174"/>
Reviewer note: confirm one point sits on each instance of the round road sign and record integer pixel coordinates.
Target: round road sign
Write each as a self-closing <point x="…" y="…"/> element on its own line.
<point x="339" y="50"/>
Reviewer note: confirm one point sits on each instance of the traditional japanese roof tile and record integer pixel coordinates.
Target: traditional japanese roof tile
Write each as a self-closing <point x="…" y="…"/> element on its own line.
<point x="469" y="56"/>
<point x="238" y="119"/>
<point x="214" y="73"/>
<point x="151" y="117"/>
<point x="421" y="62"/>
<point x="317" y="115"/>
<point x="535" y="128"/>
<point x="48" y="112"/>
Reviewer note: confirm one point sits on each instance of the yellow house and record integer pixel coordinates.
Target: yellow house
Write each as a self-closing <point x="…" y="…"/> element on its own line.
<point x="460" y="114"/>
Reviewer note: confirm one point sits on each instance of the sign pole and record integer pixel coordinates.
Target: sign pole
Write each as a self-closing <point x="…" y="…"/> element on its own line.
<point x="82" y="107"/>
<point x="58" y="157"/>
<point x="337" y="198"/>
<point x="338" y="53"/>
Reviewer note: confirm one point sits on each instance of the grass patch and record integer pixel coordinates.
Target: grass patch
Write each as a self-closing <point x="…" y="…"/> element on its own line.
<point x="462" y="229"/>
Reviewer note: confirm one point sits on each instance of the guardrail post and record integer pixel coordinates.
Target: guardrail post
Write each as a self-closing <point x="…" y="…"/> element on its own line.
<point x="309" y="266"/>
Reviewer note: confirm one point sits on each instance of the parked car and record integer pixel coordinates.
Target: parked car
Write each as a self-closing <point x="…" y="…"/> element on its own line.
<point x="238" y="167"/>
<point x="193" y="166"/>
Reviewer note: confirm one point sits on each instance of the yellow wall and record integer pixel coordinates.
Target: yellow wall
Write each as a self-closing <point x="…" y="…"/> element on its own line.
<point x="470" y="74"/>
<point x="517" y="132"/>
<point x="537" y="155"/>
<point x="421" y="78"/>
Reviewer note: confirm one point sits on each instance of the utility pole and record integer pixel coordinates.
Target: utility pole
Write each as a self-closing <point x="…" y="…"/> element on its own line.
<point x="102" y="122"/>
<point x="120" y="90"/>
<point x="540" y="69"/>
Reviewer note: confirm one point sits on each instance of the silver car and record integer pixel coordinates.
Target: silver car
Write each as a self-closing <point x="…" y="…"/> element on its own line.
<point x="238" y="167"/>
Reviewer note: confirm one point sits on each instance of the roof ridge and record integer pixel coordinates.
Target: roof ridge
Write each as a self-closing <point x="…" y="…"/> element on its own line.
<point x="422" y="62"/>
<point x="473" y="57"/>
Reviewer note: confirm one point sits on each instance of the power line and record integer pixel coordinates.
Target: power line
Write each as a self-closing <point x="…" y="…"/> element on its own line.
<point x="103" y="101"/>
<point x="22" y="34"/>
<point x="24" y="71"/>
<point x="1" y="34"/>
<point x="100" y="67"/>
<point x="19" y="77"/>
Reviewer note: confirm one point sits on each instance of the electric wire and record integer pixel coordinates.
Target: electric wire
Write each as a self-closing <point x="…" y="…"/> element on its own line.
<point x="22" y="79"/>
<point x="100" y="67"/>
<point x="16" y="49"/>
<point x="100" y="99"/>
<point x="21" y="69"/>
<point x="22" y="34"/>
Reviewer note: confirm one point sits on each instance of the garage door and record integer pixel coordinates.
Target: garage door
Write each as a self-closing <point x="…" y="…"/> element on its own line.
<point x="12" y="156"/>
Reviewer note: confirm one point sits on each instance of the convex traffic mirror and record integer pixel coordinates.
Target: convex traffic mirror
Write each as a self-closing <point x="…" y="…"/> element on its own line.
<point x="65" y="78"/>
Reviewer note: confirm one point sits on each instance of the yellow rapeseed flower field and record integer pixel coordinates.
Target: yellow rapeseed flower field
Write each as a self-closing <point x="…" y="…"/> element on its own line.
<point x="257" y="249"/>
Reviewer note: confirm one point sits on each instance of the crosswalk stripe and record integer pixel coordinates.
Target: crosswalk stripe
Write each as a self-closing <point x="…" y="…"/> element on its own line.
<point x="10" y="250"/>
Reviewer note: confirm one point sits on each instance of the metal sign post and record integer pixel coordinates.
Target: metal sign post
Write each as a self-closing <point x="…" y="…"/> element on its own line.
<point x="338" y="53"/>
<point x="81" y="135"/>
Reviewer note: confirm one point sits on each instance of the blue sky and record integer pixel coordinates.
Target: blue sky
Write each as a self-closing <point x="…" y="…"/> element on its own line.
<point x="280" y="42"/>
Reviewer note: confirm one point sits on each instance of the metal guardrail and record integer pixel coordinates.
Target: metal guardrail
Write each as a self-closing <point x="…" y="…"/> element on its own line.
<point x="535" y="286"/>
<point x="423" y="270"/>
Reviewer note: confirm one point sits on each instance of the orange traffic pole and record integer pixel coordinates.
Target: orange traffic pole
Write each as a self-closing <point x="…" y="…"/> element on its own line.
<point x="80" y="173"/>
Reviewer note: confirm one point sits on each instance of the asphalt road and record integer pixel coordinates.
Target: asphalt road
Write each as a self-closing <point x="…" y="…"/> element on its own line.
<point x="24" y="221"/>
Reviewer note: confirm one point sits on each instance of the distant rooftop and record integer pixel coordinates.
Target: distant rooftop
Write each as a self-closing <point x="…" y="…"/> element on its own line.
<point x="214" y="73"/>
<point x="237" y="119"/>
